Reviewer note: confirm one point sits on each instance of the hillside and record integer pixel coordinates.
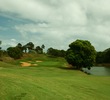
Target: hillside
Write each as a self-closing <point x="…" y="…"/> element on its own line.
<point x="49" y="79"/>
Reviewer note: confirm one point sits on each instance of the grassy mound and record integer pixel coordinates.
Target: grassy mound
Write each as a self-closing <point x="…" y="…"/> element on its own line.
<point x="50" y="80"/>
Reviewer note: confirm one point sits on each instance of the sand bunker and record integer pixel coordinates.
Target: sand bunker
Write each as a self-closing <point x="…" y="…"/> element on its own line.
<point x="29" y="63"/>
<point x="25" y="64"/>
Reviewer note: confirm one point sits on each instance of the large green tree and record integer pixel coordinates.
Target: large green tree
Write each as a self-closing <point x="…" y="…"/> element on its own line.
<point x="81" y="54"/>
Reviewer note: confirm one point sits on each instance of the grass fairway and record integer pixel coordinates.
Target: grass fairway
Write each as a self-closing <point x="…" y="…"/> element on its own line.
<point x="50" y="80"/>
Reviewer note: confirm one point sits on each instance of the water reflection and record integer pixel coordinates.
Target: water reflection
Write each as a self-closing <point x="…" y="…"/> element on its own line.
<point x="98" y="70"/>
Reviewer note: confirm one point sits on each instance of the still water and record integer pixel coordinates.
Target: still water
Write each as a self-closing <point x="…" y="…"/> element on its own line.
<point x="97" y="70"/>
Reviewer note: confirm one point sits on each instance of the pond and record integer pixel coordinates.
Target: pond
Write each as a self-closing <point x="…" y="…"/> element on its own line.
<point x="98" y="70"/>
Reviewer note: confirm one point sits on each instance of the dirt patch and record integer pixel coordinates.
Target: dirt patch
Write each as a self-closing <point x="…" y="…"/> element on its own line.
<point x="25" y="64"/>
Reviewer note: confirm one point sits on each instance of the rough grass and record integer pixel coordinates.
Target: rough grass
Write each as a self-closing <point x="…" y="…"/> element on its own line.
<point x="50" y="80"/>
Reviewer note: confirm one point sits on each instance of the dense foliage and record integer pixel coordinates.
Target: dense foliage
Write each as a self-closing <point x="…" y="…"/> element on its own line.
<point x="56" y="52"/>
<point x="75" y="53"/>
<point x="0" y="49"/>
<point x="14" y="52"/>
<point x="103" y="57"/>
<point x="39" y="50"/>
<point x="81" y="54"/>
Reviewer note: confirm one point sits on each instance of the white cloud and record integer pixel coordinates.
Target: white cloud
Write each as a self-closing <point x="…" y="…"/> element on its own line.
<point x="68" y="13"/>
<point x="9" y="43"/>
<point x="13" y="40"/>
<point x="59" y="22"/>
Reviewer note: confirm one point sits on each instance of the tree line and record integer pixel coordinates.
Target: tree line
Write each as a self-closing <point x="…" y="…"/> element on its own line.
<point x="17" y="51"/>
<point x="103" y="56"/>
<point x="80" y="54"/>
<point x="56" y="53"/>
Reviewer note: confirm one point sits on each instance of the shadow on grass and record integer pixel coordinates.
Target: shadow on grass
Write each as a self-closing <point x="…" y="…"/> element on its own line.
<point x="67" y="68"/>
<point x="20" y="97"/>
<point x="72" y="68"/>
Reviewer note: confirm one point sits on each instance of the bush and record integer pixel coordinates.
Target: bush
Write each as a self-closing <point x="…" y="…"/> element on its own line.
<point x="14" y="52"/>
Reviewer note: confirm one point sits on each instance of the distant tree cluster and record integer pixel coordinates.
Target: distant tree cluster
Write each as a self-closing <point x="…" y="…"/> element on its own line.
<point x="29" y="47"/>
<point x="103" y="57"/>
<point x="17" y="51"/>
<point x="56" y="52"/>
<point x="39" y="49"/>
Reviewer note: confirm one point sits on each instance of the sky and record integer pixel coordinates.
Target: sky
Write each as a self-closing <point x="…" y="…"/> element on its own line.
<point x="55" y="23"/>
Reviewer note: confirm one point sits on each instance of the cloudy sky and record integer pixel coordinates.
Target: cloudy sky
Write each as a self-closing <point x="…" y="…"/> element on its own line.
<point x="55" y="23"/>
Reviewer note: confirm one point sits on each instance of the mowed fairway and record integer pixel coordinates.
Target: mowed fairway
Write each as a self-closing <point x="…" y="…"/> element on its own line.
<point x="50" y="80"/>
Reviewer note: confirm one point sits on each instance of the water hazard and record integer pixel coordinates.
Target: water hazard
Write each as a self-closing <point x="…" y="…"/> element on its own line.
<point x="98" y="70"/>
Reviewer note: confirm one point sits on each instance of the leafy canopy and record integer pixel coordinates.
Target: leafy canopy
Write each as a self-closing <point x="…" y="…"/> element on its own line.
<point x="81" y="54"/>
<point x="14" y="52"/>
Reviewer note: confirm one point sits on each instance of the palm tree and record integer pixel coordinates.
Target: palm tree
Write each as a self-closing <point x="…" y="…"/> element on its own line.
<point x="42" y="47"/>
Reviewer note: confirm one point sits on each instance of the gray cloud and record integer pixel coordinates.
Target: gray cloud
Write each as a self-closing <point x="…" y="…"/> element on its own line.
<point x="59" y="22"/>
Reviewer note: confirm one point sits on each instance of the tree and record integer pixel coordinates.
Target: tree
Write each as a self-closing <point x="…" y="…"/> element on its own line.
<point x="0" y="49"/>
<point x="30" y="46"/>
<point x="107" y="56"/>
<point x="100" y="57"/>
<point x="43" y="47"/>
<point x="50" y="51"/>
<point x="103" y="57"/>
<point x="19" y="45"/>
<point x="56" y="52"/>
<point x="14" y="52"/>
<point x="62" y="53"/>
<point x="0" y="44"/>
<point x="39" y="50"/>
<point x="81" y="54"/>
<point x="24" y="48"/>
<point x="1" y="52"/>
